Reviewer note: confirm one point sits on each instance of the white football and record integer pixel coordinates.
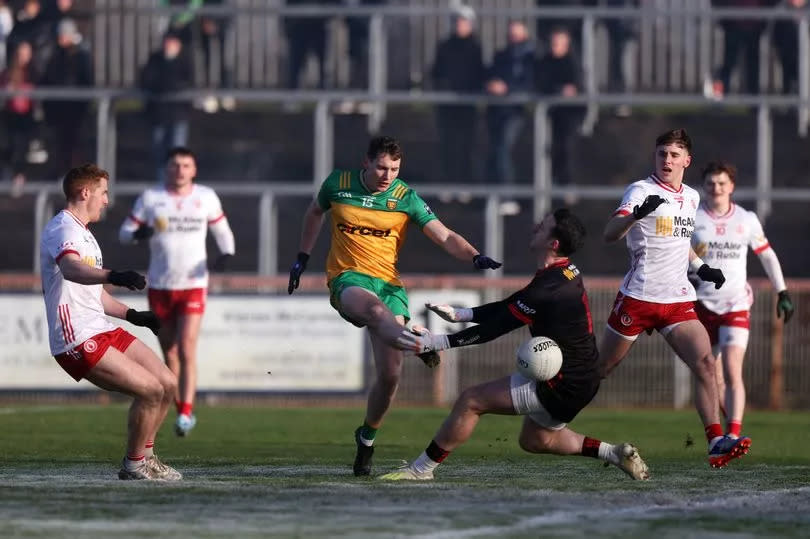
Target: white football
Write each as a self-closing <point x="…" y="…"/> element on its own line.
<point x="539" y="358"/>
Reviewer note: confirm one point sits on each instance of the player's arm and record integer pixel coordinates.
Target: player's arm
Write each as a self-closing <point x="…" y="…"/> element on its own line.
<point x="635" y="206"/>
<point x="455" y="244"/>
<point x="134" y="228"/>
<point x="618" y="226"/>
<point x="73" y="269"/>
<point x="494" y="319"/>
<point x="113" y="307"/>
<point x="704" y="271"/>
<point x="223" y="236"/>
<point x="770" y="262"/>
<point x="313" y="220"/>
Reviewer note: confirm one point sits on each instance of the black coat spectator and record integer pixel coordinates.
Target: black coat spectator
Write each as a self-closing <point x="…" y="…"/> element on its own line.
<point x="512" y="71"/>
<point x="70" y="65"/>
<point x="305" y="35"/>
<point x="559" y="74"/>
<point x="34" y="28"/>
<point x="166" y="72"/>
<point x="786" y="40"/>
<point x="459" y="67"/>
<point x="18" y="113"/>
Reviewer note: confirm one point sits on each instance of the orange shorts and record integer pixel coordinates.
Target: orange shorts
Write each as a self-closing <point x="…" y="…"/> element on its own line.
<point x="713" y="321"/>
<point x="78" y="361"/>
<point x="631" y="316"/>
<point x="168" y="304"/>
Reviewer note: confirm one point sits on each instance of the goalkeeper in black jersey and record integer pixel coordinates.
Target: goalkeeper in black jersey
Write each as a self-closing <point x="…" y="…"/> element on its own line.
<point x="555" y="305"/>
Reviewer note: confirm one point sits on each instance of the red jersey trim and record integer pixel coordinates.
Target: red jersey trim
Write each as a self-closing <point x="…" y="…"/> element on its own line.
<point x="621" y="212"/>
<point x="666" y="186"/>
<point x="765" y="247"/>
<point x="212" y="221"/>
<point x="716" y="217"/>
<point x="519" y="315"/>
<point x="561" y="263"/>
<point x="66" y="252"/>
<point x="137" y="221"/>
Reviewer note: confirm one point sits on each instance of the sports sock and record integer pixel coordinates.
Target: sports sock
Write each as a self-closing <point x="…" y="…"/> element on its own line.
<point x="713" y="431"/>
<point x="185" y="408"/>
<point x="590" y="447"/>
<point x="133" y="462"/>
<point x="735" y="428"/>
<point x="607" y="452"/>
<point x="149" y="448"/>
<point x="367" y="434"/>
<point x="177" y="405"/>
<point x="424" y="464"/>
<point x="436" y="453"/>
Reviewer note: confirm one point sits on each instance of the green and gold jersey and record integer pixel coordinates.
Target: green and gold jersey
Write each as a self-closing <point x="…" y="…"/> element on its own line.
<point x="368" y="229"/>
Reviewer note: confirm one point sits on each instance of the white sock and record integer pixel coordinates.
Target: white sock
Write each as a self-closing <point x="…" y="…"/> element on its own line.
<point x="607" y="452"/>
<point x="133" y="464"/>
<point x="424" y="464"/>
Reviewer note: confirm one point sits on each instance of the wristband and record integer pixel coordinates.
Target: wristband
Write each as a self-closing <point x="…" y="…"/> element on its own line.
<point x="696" y="263"/>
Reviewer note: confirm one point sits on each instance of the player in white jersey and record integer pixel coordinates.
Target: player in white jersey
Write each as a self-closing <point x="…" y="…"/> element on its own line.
<point x="83" y="341"/>
<point x="175" y="218"/>
<point x="723" y="233"/>
<point x="657" y="217"/>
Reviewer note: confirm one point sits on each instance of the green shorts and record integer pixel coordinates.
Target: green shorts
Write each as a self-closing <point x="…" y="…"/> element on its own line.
<point x="394" y="297"/>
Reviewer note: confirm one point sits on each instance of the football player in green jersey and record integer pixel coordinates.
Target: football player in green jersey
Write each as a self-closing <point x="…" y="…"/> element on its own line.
<point x="370" y="210"/>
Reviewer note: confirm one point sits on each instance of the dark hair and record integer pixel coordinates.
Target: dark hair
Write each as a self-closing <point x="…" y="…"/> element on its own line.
<point x="676" y="136"/>
<point x="80" y="177"/>
<point x="182" y="151"/>
<point x="718" y="167"/>
<point x="569" y="231"/>
<point x="384" y="145"/>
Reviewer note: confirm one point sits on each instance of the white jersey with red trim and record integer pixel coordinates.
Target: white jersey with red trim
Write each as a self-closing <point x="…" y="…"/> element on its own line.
<point x="722" y="241"/>
<point x="178" y="254"/>
<point x="659" y="242"/>
<point x="75" y="312"/>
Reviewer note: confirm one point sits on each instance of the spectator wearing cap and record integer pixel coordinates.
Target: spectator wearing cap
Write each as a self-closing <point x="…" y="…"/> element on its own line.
<point x="167" y="71"/>
<point x="70" y="65"/>
<point x="458" y="67"/>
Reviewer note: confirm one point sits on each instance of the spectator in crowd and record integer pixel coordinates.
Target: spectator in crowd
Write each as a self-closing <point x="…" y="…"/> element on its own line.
<point x="19" y="111"/>
<point x="786" y="40"/>
<point x="305" y="35"/>
<point x="459" y="67"/>
<point x="512" y="71"/>
<point x="559" y="74"/>
<point x="70" y="65"/>
<point x="573" y="25"/>
<point x="6" y="24"/>
<point x="358" y="43"/>
<point x="739" y="36"/>
<point x="167" y="71"/>
<point x="32" y="27"/>
<point x="621" y="33"/>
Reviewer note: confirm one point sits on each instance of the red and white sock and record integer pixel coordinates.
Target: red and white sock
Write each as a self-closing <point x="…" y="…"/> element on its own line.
<point x="133" y="462"/>
<point x="149" y="448"/>
<point x="185" y="408"/>
<point x="735" y="428"/>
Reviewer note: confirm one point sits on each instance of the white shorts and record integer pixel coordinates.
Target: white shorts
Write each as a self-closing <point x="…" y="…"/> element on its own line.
<point x="525" y="402"/>
<point x="730" y="336"/>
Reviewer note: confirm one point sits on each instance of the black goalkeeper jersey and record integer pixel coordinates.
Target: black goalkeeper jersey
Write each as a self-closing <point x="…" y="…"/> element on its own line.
<point x="555" y="305"/>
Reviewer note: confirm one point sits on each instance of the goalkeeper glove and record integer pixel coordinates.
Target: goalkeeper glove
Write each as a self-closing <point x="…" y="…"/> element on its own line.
<point x="647" y="207"/>
<point x="129" y="279"/>
<point x="221" y="262"/>
<point x="710" y="274"/>
<point x="484" y="262"/>
<point x="784" y="306"/>
<point x="450" y="313"/>
<point x="144" y="319"/>
<point x="296" y="270"/>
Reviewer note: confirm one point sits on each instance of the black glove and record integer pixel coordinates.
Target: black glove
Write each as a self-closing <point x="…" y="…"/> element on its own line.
<point x="784" y="306"/>
<point x="130" y="279"/>
<point x="648" y="206"/>
<point x="221" y="262"/>
<point x="713" y="275"/>
<point x="485" y="262"/>
<point x="296" y="270"/>
<point x="144" y="232"/>
<point x="145" y="319"/>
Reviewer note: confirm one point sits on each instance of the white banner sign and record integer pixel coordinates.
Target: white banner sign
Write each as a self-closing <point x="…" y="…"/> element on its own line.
<point x="247" y="343"/>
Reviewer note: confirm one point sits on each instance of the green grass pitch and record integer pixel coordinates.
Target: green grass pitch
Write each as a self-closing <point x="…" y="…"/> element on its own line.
<point x="279" y="472"/>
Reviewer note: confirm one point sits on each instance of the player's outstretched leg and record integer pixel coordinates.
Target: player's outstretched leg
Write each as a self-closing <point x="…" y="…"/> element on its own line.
<point x="728" y="448"/>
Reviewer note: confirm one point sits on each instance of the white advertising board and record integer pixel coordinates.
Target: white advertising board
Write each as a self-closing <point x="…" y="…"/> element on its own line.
<point x="247" y="343"/>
